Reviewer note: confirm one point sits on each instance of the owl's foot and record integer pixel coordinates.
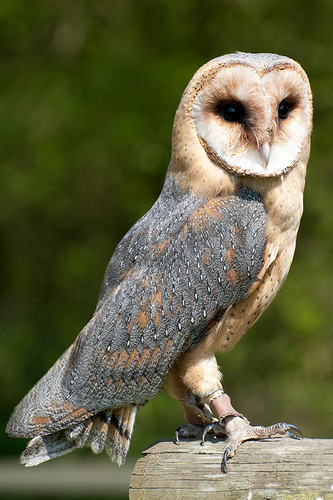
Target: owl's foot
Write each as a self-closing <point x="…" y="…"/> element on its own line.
<point x="230" y="424"/>
<point x="189" y="431"/>
<point x="238" y="429"/>
<point x="199" y="417"/>
<point x="199" y="431"/>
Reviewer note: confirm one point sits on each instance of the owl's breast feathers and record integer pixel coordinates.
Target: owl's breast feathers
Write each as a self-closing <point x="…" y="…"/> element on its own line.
<point x="170" y="280"/>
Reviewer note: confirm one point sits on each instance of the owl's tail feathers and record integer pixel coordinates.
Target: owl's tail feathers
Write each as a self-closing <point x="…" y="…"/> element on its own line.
<point x="110" y="429"/>
<point x="119" y="433"/>
<point x="43" y="448"/>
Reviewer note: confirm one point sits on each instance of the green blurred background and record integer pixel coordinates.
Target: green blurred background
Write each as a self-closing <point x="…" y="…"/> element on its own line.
<point x="88" y="91"/>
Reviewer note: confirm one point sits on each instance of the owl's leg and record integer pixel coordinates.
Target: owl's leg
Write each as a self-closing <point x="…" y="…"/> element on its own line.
<point x="208" y="410"/>
<point x="195" y="382"/>
<point x="185" y="382"/>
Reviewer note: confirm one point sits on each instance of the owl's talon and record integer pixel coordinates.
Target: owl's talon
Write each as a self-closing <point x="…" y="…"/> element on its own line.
<point x="177" y="435"/>
<point x="188" y="431"/>
<point x="226" y="455"/>
<point x="292" y="435"/>
<point x="283" y="429"/>
<point x="295" y="428"/>
<point x="206" y="429"/>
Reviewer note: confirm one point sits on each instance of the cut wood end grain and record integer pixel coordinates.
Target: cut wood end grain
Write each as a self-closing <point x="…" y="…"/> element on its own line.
<point x="281" y="468"/>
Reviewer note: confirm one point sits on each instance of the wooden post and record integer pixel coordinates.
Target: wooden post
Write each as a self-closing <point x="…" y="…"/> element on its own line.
<point x="282" y="468"/>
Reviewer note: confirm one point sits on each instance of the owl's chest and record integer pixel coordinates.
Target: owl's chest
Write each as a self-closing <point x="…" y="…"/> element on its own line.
<point x="284" y="212"/>
<point x="242" y="315"/>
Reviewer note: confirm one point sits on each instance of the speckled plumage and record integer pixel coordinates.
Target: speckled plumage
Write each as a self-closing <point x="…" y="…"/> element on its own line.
<point x="187" y="280"/>
<point x="156" y="302"/>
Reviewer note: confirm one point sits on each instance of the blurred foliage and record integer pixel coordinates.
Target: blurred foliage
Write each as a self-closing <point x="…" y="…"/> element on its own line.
<point x="88" y="91"/>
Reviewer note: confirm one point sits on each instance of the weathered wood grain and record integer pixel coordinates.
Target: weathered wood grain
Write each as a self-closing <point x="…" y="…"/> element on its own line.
<point x="280" y="468"/>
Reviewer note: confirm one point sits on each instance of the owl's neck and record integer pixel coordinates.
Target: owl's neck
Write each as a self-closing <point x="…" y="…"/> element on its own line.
<point x="282" y="196"/>
<point x="283" y="201"/>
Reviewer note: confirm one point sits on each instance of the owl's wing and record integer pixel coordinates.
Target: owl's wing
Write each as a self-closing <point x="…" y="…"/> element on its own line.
<point x="181" y="266"/>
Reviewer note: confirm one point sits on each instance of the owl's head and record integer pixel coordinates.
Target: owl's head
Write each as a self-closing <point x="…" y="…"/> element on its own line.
<point x="250" y="114"/>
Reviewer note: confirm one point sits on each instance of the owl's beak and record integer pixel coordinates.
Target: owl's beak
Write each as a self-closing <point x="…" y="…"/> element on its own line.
<point x="264" y="151"/>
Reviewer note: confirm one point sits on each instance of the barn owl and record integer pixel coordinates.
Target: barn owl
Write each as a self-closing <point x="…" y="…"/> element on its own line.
<point x="193" y="274"/>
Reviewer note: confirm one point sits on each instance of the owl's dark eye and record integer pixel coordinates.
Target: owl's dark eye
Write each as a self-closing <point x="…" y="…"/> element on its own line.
<point x="284" y="110"/>
<point x="231" y="111"/>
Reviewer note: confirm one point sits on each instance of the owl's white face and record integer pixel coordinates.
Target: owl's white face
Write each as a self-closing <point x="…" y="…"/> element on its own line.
<point x="254" y="119"/>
